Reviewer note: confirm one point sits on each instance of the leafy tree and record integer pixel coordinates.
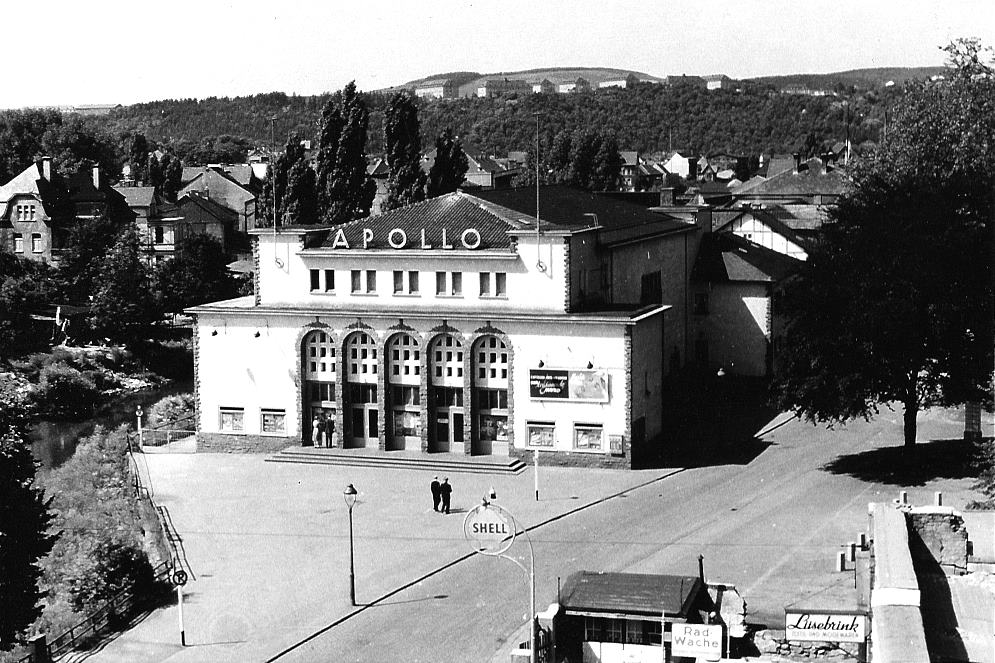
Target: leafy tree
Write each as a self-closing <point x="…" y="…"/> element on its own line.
<point x="345" y="190"/>
<point x="895" y="304"/>
<point x="450" y="166"/>
<point x="89" y="241"/>
<point x="25" y="286"/>
<point x="155" y="175"/>
<point x="294" y="182"/>
<point x="402" y="140"/>
<point x="21" y="134"/>
<point x="120" y="308"/>
<point x="24" y="524"/>
<point x="139" y="157"/>
<point x="172" y="175"/>
<point x="76" y="143"/>
<point x="196" y="275"/>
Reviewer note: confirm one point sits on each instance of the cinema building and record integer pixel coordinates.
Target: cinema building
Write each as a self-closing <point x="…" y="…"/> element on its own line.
<point x="457" y="326"/>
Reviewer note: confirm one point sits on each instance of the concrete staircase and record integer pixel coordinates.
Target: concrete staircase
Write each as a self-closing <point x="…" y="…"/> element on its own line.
<point x="405" y="460"/>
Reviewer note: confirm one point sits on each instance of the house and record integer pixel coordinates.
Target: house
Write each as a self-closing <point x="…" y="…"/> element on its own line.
<point x="221" y="186"/>
<point x="762" y="227"/>
<point x="545" y="86"/>
<point x="35" y="213"/>
<point x="735" y="321"/>
<point x="682" y="164"/>
<point x="144" y="203"/>
<point x="629" y="171"/>
<point x="483" y="172"/>
<point x="440" y="88"/>
<point x="717" y="82"/>
<point x="494" y="87"/>
<point x="579" y="85"/>
<point x="202" y="215"/>
<point x="92" y="196"/>
<point x="457" y="325"/>
<point x="684" y="79"/>
<point x="811" y="182"/>
<point x="626" y="82"/>
<point x="609" y="617"/>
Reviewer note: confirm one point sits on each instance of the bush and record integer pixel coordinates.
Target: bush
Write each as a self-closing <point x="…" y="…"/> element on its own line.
<point x="172" y="412"/>
<point x="65" y="392"/>
<point x="984" y="462"/>
<point x="171" y="359"/>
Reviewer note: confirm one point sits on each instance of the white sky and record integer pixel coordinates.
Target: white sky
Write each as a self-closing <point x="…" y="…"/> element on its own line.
<point x="65" y="52"/>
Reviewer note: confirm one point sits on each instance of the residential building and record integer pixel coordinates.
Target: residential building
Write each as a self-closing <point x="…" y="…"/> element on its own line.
<point x="717" y="82"/>
<point x="456" y="325"/>
<point x="579" y="85"/>
<point x="146" y="206"/>
<point x="682" y="163"/>
<point x="223" y="187"/>
<point x="811" y="182"/>
<point x="626" y="82"/>
<point x="495" y="87"/>
<point x="483" y="172"/>
<point x="441" y="88"/>
<point x="684" y="79"/>
<point x="545" y="86"/>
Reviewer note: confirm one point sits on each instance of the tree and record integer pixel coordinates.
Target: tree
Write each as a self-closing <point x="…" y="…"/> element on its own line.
<point x="21" y="134"/>
<point x="198" y="274"/>
<point x="171" y="175"/>
<point x="25" y="287"/>
<point x="89" y="241"/>
<point x="345" y="190"/>
<point x="402" y="142"/>
<point x="895" y="303"/>
<point x="77" y="143"/>
<point x="24" y="524"/>
<point x="139" y="157"/>
<point x="120" y="307"/>
<point x="450" y="166"/>
<point x="154" y="172"/>
<point x="294" y="182"/>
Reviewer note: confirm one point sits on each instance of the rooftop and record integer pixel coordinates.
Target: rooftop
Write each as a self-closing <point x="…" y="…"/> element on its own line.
<point x="630" y="593"/>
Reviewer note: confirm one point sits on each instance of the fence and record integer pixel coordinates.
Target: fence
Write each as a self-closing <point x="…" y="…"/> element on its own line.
<point x="158" y="436"/>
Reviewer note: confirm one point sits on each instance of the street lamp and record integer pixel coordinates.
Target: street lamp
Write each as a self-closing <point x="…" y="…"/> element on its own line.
<point x="138" y="413"/>
<point x="349" y="494"/>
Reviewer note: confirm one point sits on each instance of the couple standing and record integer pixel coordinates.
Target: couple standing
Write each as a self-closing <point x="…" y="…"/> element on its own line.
<point x="441" y="493"/>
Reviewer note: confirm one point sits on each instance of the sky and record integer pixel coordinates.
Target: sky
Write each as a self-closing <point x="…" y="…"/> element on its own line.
<point x="110" y="51"/>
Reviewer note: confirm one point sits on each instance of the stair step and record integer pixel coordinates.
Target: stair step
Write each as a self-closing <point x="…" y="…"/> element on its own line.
<point x="450" y="464"/>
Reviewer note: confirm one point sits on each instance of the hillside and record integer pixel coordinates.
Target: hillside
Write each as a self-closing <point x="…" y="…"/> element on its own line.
<point x="861" y="79"/>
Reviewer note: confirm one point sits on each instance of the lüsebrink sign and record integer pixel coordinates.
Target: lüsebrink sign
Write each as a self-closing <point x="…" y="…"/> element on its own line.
<point x="825" y="626"/>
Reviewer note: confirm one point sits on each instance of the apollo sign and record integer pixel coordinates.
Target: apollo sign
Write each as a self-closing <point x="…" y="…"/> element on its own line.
<point x="397" y="238"/>
<point x="489" y="529"/>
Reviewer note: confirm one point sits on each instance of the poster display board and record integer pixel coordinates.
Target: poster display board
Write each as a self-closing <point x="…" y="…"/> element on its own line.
<point x="584" y="386"/>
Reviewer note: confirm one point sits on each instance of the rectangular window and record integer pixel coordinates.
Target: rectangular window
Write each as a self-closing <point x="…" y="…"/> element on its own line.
<point x="31" y="212"/>
<point x="274" y="422"/>
<point x="405" y="395"/>
<point x="440" y="284"/>
<point x="457" y="278"/>
<point x="18" y="243"/>
<point x="485" y="284"/>
<point x="329" y="280"/>
<point x="232" y="419"/>
<point x="36" y="242"/>
<point x="160" y="234"/>
<point x="357" y="281"/>
<point x="588" y="437"/>
<point x="541" y="433"/>
<point x="500" y="284"/>
<point x="398" y="282"/>
<point x="315" y="280"/>
<point x="371" y="281"/>
<point x="412" y="283"/>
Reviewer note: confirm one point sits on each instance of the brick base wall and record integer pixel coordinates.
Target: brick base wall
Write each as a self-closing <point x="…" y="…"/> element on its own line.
<point x="774" y="647"/>
<point x="248" y="444"/>
<point x="568" y="459"/>
<point x="938" y="538"/>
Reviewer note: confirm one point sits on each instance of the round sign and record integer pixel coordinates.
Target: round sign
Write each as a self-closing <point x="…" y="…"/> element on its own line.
<point x="180" y="577"/>
<point x="489" y="529"/>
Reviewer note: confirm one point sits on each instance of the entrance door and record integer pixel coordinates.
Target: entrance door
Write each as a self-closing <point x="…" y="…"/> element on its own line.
<point x="359" y="391"/>
<point x="364" y="419"/>
<point x="446" y="409"/>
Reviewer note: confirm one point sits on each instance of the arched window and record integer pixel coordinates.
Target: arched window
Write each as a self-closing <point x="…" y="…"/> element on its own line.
<point x="361" y="358"/>
<point x="319" y="357"/>
<point x="405" y="358"/>
<point x="447" y="359"/>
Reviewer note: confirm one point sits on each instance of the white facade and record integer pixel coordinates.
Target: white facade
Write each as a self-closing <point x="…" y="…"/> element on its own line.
<point x="751" y="228"/>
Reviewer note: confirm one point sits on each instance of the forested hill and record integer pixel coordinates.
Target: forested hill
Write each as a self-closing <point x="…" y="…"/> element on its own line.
<point x="647" y="117"/>
<point x="854" y="78"/>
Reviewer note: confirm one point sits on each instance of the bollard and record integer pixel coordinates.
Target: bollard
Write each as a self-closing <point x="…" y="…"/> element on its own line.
<point x="862" y="538"/>
<point x="938" y="498"/>
<point x="853" y="551"/>
<point x="903" y="497"/>
<point x="841" y="561"/>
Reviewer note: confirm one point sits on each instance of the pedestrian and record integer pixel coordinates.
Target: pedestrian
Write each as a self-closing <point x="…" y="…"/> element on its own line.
<point x="445" y="490"/>
<point x="436" y="493"/>
<point x="316" y="431"/>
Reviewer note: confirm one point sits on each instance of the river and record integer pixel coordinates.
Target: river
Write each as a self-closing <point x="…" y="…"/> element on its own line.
<point x="54" y="441"/>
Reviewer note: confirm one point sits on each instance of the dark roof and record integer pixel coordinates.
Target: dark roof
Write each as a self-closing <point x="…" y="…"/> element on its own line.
<point x="213" y="208"/>
<point x="812" y="178"/>
<point x="799" y="217"/>
<point x="726" y="257"/>
<point x="631" y="593"/>
<point x="455" y="212"/>
<point x="570" y="208"/>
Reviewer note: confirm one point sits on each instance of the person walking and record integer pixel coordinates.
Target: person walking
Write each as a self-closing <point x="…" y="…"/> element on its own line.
<point x="446" y="491"/>
<point x="436" y="493"/>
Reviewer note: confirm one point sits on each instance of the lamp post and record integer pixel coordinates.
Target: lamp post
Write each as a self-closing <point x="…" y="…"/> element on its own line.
<point x="138" y="413"/>
<point x="349" y="494"/>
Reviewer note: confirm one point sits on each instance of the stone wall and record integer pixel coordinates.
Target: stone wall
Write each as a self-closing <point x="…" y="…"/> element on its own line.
<point x="224" y="443"/>
<point x="937" y="536"/>
<point x="773" y="647"/>
<point x="571" y="459"/>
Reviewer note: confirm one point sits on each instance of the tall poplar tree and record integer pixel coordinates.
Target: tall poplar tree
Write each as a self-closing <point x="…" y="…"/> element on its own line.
<point x="402" y="141"/>
<point x="450" y="165"/>
<point x="24" y="524"/>
<point x="345" y="190"/>
<point x="294" y="181"/>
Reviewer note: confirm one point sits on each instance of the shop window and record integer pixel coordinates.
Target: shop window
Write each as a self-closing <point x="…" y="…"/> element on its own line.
<point x="541" y="434"/>
<point x="407" y="423"/>
<point x="36" y="242"/>
<point x="274" y="422"/>
<point x="493" y="427"/>
<point x="588" y="437"/>
<point x="329" y="280"/>
<point x="18" y="243"/>
<point x="232" y="419"/>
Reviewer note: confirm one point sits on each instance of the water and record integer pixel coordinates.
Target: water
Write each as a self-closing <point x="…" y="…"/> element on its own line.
<point x="54" y="441"/>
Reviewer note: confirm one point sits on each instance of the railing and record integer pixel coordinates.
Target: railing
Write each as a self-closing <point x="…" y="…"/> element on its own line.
<point x="159" y="437"/>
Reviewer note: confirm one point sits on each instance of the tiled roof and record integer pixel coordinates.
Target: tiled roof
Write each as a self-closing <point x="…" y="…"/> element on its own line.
<point x="455" y="212"/>
<point x="811" y="179"/>
<point x="568" y="207"/>
<point x="778" y="163"/>
<point x="630" y="593"/>
<point x="213" y="208"/>
<point x="629" y="158"/>
<point x="137" y="196"/>
<point x="727" y="257"/>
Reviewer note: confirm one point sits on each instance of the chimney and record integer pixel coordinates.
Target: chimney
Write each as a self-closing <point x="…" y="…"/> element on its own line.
<point x="668" y="196"/>
<point x="703" y="218"/>
<point x="96" y="176"/>
<point x="46" y="168"/>
<point x="798" y="162"/>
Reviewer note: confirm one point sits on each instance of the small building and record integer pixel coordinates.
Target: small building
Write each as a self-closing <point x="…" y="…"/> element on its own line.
<point x="440" y="88"/>
<point x="618" y="617"/>
<point x="579" y="85"/>
<point x="811" y="182"/>
<point x="545" y="86"/>
<point x="222" y="187"/>
<point x="717" y="82"/>
<point x="495" y="87"/>
<point x="623" y="83"/>
<point x="682" y="163"/>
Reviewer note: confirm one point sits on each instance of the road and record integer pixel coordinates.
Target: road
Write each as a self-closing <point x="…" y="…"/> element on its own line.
<point x="273" y="582"/>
